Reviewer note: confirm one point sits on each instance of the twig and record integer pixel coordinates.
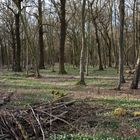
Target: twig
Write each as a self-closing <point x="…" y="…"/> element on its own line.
<point x="2" y="137"/>
<point x="58" y="118"/>
<point x="22" y="130"/>
<point x="135" y="119"/>
<point x="37" y="119"/>
<point x="64" y="104"/>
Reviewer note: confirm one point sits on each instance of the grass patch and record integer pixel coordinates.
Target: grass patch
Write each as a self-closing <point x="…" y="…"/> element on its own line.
<point x="27" y="99"/>
<point x="102" y="83"/>
<point x="115" y="102"/>
<point x="93" y="71"/>
<point x="121" y="102"/>
<point x="97" y="137"/>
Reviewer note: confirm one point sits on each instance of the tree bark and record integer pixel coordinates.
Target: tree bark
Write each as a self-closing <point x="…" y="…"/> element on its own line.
<point x="83" y="49"/>
<point x="135" y="81"/>
<point x="62" y="38"/>
<point x="134" y="34"/>
<point x="121" y="44"/>
<point x="98" y="45"/>
<point x="2" y="54"/>
<point x="13" y="49"/>
<point x="18" y="43"/>
<point x="40" y="41"/>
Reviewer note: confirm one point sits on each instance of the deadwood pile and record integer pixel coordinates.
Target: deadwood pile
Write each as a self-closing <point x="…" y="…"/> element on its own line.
<point x="35" y="122"/>
<point x="39" y="121"/>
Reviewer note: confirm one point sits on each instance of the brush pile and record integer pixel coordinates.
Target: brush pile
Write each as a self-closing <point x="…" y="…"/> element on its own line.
<point x="33" y="123"/>
<point x="40" y="121"/>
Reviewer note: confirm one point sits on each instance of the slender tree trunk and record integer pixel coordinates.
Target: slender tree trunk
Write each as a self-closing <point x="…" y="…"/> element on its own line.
<point x="2" y="54"/>
<point x="109" y="51"/>
<point x="62" y="38"/>
<point x="104" y="57"/>
<point x="40" y="41"/>
<point x="115" y="46"/>
<point x="14" y="57"/>
<point x="83" y="50"/>
<point x="13" y="49"/>
<point x="27" y="58"/>
<point x="137" y="29"/>
<point x="121" y="44"/>
<point x="8" y="56"/>
<point x="88" y="42"/>
<point x="134" y="36"/>
<point x="112" y="31"/>
<point x="87" y="61"/>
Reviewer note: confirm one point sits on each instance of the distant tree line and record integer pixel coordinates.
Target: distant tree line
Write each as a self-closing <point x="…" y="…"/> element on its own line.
<point x="40" y="33"/>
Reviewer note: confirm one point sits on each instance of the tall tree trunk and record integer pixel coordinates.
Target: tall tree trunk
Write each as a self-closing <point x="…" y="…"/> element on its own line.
<point x="121" y="44"/>
<point x="88" y="40"/>
<point x="137" y="28"/>
<point x="18" y="43"/>
<point x="83" y="49"/>
<point x="112" y="31"/>
<point x="7" y="56"/>
<point x="98" y="45"/>
<point x="62" y="38"/>
<point x="134" y="36"/>
<point x="2" y="54"/>
<point x="109" y="51"/>
<point x="107" y="41"/>
<point x="115" y="45"/>
<point x="87" y="61"/>
<point x="40" y="41"/>
<point x="14" y="57"/>
<point x="13" y="49"/>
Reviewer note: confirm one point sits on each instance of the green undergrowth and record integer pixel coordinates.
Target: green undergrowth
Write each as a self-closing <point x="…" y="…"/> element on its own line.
<point x="34" y="90"/>
<point x="96" y="137"/>
<point x="114" y="102"/>
<point x="93" y="71"/>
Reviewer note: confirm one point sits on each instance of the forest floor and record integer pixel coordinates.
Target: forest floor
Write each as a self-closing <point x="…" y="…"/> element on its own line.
<point x="92" y="112"/>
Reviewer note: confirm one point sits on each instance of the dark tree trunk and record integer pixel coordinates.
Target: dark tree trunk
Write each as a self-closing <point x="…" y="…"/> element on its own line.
<point x="62" y="38"/>
<point x="121" y="44"/>
<point x="134" y="35"/>
<point x="14" y="57"/>
<point x="17" y="33"/>
<point x="13" y="49"/>
<point x="18" y="43"/>
<point x="109" y="51"/>
<point x="2" y="55"/>
<point x="108" y="43"/>
<point x="98" y="44"/>
<point x="135" y="81"/>
<point x="40" y="41"/>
